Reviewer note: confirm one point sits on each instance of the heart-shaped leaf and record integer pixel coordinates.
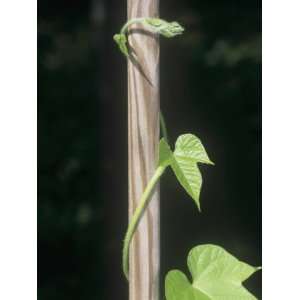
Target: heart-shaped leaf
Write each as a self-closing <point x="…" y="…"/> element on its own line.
<point x="216" y="275"/>
<point x="188" y="152"/>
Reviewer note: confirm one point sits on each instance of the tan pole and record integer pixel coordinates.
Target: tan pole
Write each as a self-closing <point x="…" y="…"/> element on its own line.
<point x="143" y="140"/>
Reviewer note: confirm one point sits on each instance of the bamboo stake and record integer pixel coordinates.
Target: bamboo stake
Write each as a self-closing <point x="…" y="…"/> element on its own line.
<point x="143" y="139"/>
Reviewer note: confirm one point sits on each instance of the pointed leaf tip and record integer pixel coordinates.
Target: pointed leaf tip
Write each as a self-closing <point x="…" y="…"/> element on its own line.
<point x="188" y="152"/>
<point x="191" y="147"/>
<point x="183" y="161"/>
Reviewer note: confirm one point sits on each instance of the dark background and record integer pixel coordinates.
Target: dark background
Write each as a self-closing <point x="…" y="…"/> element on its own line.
<point x="210" y="86"/>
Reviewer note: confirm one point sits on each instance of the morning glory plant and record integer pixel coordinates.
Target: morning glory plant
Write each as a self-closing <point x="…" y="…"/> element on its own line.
<point x="215" y="273"/>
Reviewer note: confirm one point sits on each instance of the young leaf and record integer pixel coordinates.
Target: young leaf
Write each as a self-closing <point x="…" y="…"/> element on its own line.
<point x="188" y="152"/>
<point x="190" y="147"/>
<point x="121" y="40"/>
<point x="156" y="25"/>
<point x="189" y="176"/>
<point x="167" y="29"/>
<point x="216" y="275"/>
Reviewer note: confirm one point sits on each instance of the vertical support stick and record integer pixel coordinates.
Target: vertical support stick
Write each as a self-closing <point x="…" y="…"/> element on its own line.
<point x="143" y="140"/>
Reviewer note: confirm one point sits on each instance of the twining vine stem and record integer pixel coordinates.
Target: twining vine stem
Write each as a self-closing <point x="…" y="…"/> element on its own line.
<point x="124" y="29"/>
<point x="146" y="196"/>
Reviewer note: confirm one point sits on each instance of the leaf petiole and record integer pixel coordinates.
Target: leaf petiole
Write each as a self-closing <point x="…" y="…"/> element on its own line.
<point x="163" y="127"/>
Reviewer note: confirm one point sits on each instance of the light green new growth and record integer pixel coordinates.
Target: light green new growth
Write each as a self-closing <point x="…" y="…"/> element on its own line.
<point x="216" y="275"/>
<point x="188" y="152"/>
<point x="155" y="25"/>
<point x="121" y="40"/>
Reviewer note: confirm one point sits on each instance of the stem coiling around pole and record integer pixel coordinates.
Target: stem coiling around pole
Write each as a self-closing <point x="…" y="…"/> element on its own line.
<point x="138" y="213"/>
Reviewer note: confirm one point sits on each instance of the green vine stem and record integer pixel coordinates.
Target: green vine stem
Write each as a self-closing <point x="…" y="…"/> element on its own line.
<point x="146" y="196"/>
<point x="168" y="30"/>
<point x="155" y="25"/>
<point x="124" y="29"/>
<point x="188" y="152"/>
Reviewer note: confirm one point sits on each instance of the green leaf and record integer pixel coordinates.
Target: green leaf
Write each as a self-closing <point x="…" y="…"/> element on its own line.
<point x="190" y="147"/>
<point x="216" y="275"/>
<point x="167" y="29"/>
<point x="188" y="152"/>
<point x="156" y="25"/>
<point x="189" y="176"/>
